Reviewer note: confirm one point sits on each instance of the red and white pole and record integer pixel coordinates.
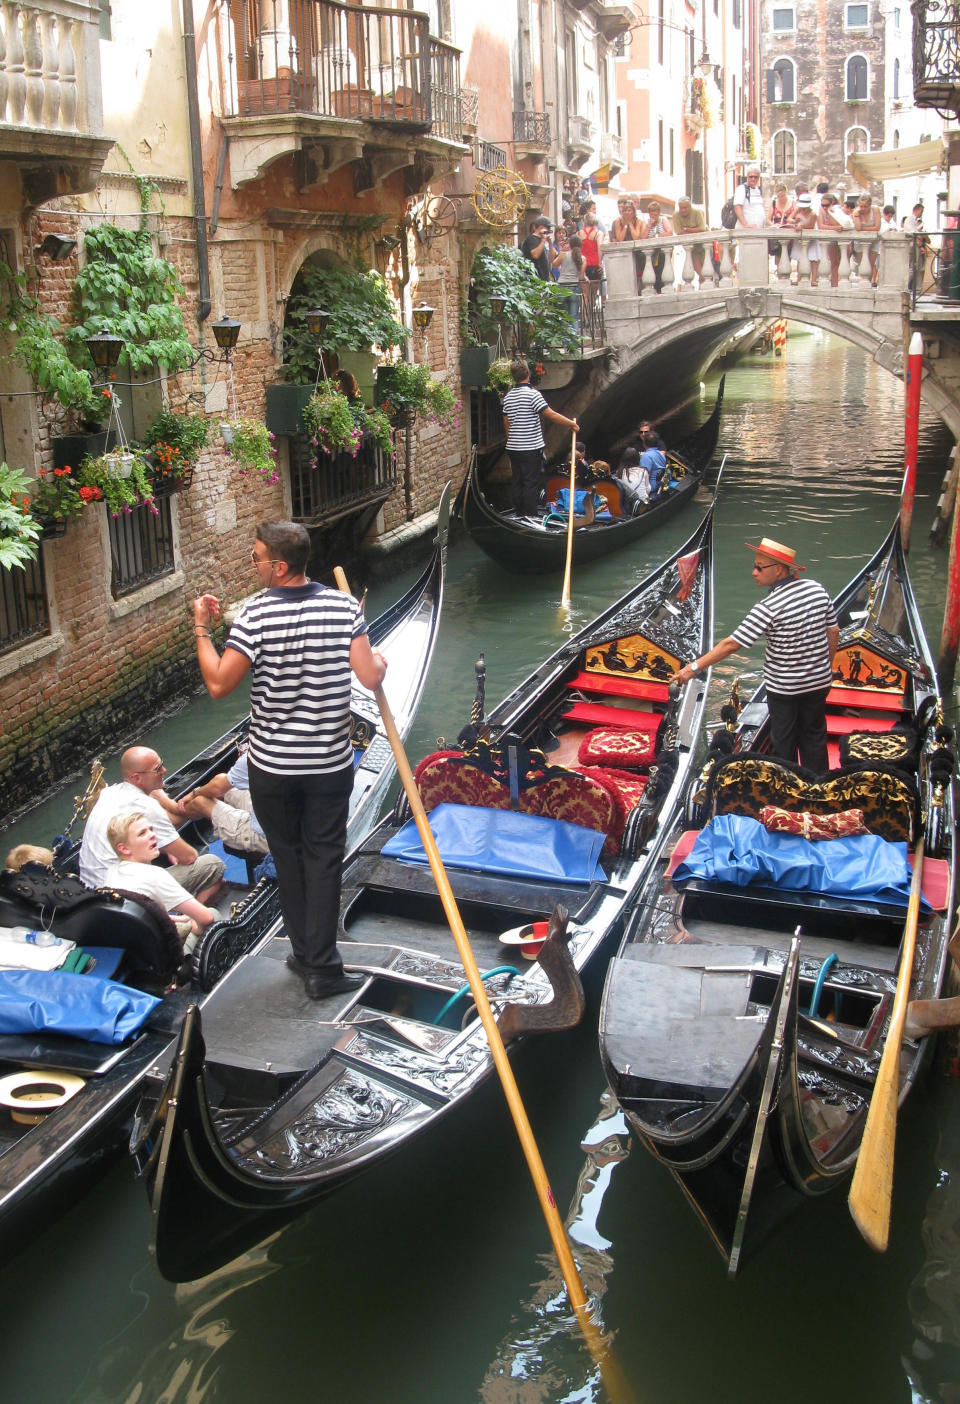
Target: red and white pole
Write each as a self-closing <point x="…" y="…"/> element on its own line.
<point x="911" y="436"/>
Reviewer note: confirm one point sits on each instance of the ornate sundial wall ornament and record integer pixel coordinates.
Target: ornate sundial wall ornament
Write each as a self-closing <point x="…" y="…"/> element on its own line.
<point x="500" y="197"/>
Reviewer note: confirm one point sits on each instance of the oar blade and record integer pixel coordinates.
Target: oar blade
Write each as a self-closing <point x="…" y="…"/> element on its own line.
<point x="872" y="1186"/>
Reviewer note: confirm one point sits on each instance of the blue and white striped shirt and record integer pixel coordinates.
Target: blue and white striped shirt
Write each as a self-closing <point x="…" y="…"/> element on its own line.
<point x="298" y="641"/>
<point x="795" y="617"/>
<point x="522" y="406"/>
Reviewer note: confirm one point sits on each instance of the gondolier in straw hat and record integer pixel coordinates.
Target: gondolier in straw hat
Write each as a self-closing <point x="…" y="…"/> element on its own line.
<point x="798" y="621"/>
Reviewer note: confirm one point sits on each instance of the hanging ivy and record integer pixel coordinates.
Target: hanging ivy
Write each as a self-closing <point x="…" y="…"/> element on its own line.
<point x="362" y="315"/>
<point x="537" y="309"/>
<point x="127" y="289"/>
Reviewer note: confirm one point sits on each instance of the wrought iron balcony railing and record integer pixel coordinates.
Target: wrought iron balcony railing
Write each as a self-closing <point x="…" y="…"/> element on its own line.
<point x="326" y="487"/>
<point x="531" y="128"/>
<point x="334" y="60"/>
<point x="936" y="54"/>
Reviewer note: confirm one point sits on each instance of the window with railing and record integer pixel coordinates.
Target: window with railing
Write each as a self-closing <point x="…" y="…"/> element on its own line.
<point x="327" y="486"/>
<point x="141" y="547"/>
<point x="23" y="605"/>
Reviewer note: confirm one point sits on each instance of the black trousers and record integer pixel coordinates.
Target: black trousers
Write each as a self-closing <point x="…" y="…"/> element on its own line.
<point x="305" y="820"/>
<point x="527" y="470"/>
<point x="799" y="725"/>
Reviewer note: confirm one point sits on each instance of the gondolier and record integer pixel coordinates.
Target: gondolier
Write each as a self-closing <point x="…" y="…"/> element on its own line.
<point x="522" y="408"/>
<point x="800" y="626"/>
<point x="301" y="641"/>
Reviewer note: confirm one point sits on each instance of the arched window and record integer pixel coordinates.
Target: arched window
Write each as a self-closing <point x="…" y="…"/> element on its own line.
<point x="784" y="152"/>
<point x="896" y="137"/>
<point x="858" y="139"/>
<point x="858" y="79"/>
<point x="781" y="84"/>
<point x="896" y="79"/>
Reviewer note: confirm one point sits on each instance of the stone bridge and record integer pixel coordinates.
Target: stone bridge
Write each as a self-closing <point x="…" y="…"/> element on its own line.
<point x="662" y="343"/>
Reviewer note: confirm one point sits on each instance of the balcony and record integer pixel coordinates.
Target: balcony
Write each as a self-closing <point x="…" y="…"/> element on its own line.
<point x="337" y="83"/>
<point x="51" y="113"/>
<point x="614" y="20"/>
<point x="580" y="140"/>
<point x="613" y="152"/>
<point x="936" y="55"/>
<point x="531" y="133"/>
<point x="325" y="488"/>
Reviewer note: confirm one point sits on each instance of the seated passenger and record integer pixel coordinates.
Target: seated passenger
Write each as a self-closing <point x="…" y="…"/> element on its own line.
<point x="654" y="460"/>
<point x="225" y="801"/>
<point x="634" y="478"/>
<point x="141" y="788"/>
<point x="25" y="853"/>
<point x="133" y="870"/>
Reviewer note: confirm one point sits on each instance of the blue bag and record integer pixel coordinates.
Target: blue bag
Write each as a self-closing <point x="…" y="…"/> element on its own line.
<point x="83" y="1006"/>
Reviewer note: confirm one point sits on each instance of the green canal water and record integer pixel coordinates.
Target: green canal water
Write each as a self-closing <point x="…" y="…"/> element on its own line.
<point x="431" y="1279"/>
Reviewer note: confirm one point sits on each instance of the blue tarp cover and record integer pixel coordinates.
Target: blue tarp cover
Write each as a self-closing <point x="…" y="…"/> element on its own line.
<point x="738" y="850"/>
<point x="502" y="841"/>
<point x="80" y="1005"/>
<point x="580" y="503"/>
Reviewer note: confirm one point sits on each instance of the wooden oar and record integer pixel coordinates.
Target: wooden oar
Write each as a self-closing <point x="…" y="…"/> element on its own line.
<point x="872" y="1187"/>
<point x="565" y="597"/>
<point x="575" y="1290"/>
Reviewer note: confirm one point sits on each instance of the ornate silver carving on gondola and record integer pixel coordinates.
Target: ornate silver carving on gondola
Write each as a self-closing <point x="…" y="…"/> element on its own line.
<point x="441" y="1077"/>
<point x="671" y="626"/>
<point x="442" y="973"/>
<point x="350" y="1111"/>
<point x="831" y="1092"/>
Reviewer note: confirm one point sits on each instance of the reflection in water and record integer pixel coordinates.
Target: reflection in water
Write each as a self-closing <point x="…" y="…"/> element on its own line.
<point x="537" y="1364"/>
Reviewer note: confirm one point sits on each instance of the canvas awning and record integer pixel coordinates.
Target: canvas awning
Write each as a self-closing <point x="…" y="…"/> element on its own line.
<point x="866" y="166"/>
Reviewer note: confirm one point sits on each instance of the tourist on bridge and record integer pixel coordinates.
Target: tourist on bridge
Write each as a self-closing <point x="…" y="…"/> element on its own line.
<point x="781" y="212"/>
<point x="805" y="218"/>
<point x="798" y="621"/>
<point x="690" y="219"/>
<point x="660" y="227"/>
<point x="627" y="228"/>
<point x="866" y="219"/>
<point x="748" y="201"/>
<point x="538" y="248"/>
<point x="568" y="261"/>
<point x="523" y="407"/>
<point x="833" y="217"/>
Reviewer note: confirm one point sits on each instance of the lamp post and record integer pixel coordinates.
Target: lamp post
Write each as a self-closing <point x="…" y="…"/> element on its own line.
<point x="317" y="319"/>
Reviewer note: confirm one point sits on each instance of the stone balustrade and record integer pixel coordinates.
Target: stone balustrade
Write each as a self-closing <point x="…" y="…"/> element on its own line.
<point x="46" y="51"/>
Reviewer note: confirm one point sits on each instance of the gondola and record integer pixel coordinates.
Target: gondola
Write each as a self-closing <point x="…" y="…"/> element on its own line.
<point x="744" y="1018"/>
<point x="536" y="545"/>
<point x="274" y="1102"/>
<point x="43" y="1166"/>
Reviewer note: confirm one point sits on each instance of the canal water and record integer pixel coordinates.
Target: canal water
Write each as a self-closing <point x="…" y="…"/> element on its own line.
<point x="432" y="1278"/>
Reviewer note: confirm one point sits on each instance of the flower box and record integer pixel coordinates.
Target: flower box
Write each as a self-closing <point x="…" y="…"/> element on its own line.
<point x="284" y="406"/>
<point x="69" y="450"/>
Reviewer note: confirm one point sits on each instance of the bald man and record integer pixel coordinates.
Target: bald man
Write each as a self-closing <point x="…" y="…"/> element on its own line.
<point x="141" y="788"/>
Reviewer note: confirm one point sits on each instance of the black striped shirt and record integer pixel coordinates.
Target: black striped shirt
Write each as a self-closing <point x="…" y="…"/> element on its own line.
<point x="298" y="641"/>
<point x="794" y="617"/>
<point x="522" y="405"/>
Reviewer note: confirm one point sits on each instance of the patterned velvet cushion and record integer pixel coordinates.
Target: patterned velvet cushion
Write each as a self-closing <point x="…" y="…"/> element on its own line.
<point x="626" y="750"/>
<point x="844" y="824"/>
<point x="626" y="786"/>
<point x="450" y="777"/>
<point x="743" y="784"/>
<point x="898" y="747"/>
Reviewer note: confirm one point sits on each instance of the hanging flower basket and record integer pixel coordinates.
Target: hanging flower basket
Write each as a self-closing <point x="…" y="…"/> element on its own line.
<point x="165" y="485"/>
<point x="119" y="463"/>
<point x="227" y="433"/>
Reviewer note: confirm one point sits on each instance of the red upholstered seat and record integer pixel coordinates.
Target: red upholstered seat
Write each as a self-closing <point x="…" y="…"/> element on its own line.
<point x="597" y="714"/>
<point x="626" y="785"/>
<point x="842" y="726"/>
<point x="868" y="697"/>
<point x="609" y="685"/>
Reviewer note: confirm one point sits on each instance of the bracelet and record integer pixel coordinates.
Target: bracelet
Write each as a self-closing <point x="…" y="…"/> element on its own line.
<point x="198" y="629"/>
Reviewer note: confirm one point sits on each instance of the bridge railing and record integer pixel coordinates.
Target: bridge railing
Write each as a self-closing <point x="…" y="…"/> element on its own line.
<point x="720" y="259"/>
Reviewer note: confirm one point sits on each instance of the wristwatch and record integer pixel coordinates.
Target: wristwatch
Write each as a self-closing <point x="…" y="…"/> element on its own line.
<point x="695" y="668"/>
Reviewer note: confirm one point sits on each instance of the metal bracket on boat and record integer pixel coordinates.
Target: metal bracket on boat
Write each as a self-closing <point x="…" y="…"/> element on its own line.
<point x="566" y="1008"/>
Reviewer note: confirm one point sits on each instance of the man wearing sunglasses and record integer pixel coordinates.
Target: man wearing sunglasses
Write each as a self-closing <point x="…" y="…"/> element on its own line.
<point x="141" y="789"/>
<point x="798" y="621"/>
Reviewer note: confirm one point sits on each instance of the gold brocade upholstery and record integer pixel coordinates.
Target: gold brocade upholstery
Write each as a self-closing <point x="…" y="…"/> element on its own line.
<point x="744" y="784"/>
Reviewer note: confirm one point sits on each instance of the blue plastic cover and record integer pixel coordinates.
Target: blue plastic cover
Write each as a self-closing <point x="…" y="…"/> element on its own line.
<point x="738" y="850"/>
<point x="580" y="496"/>
<point x="82" y="1006"/>
<point x="502" y="841"/>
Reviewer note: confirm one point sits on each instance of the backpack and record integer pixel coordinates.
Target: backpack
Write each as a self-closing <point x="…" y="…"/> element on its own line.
<point x="728" y="216"/>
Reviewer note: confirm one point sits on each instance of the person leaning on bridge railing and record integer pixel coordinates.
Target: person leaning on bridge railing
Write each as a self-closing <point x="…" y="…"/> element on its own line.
<point x="866" y="219"/>
<point x="748" y="201"/>
<point x="690" y="219"/>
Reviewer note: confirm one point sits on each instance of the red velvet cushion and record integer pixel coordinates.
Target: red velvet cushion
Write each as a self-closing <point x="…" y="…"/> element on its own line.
<point x="627" y="750"/>
<point x="813" y="826"/>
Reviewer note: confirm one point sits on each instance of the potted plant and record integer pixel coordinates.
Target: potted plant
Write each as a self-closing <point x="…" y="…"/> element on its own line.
<point x="499" y="377"/>
<point x="405" y="390"/>
<point x="175" y="442"/>
<point x="251" y="444"/>
<point x="327" y="420"/>
<point x="362" y="315"/>
<point x="19" y="533"/>
<point x="122" y="477"/>
<point x="538" y="310"/>
<point x="56" y="500"/>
